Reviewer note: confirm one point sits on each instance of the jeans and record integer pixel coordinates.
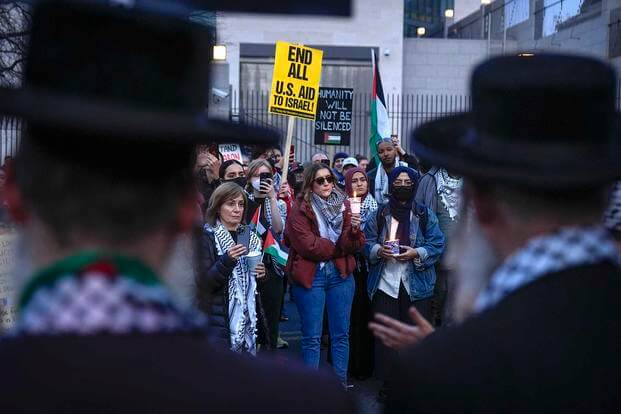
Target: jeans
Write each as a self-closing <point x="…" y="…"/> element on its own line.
<point x="331" y="290"/>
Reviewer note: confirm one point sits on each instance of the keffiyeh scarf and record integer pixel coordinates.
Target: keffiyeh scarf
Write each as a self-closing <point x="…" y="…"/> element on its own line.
<point x="367" y="209"/>
<point x="449" y="192"/>
<point x="92" y="293"/>
<point x="242" y="292"/>
<point x="567" y="248"/>
<point x="331" y="212"/>
<point x="266" y="205"/>
<point x="382" y="182"/>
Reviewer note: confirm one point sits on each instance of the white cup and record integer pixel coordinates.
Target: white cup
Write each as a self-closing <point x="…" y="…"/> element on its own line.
<point x="355" y="203"/>
<point x="252" y="260"/>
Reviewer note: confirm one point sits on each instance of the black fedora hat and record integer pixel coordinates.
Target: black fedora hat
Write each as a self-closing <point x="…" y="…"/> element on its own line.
<point x="547" y="121"/>
<point x="123" y="74"/>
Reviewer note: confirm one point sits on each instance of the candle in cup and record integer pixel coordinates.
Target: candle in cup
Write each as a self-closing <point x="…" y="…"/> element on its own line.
<point x="393" y="245"/>
<point x="354" y="202"/>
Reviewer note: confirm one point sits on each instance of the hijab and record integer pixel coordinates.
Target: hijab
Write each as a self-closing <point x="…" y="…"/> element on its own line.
<point x="369" y="205"/>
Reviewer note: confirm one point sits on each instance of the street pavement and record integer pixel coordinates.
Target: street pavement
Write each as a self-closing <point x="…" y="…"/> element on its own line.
<point x="364" y="392"/>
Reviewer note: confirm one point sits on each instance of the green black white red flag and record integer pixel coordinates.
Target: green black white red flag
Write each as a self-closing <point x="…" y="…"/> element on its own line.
<point x="380" y="125"/>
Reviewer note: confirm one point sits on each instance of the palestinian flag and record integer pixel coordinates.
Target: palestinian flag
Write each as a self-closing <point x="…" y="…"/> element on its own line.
<point x="256" y="223"/>
<point x="380" y="125"/>
<point x="273" y="248"/>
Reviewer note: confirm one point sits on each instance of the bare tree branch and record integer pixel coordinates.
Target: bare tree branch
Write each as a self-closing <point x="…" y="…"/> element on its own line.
<point x="15" y="21"/>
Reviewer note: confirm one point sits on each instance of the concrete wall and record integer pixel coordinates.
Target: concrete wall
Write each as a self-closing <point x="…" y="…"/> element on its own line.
<point x="373" y="24"/>
<point x="443" y="66"/>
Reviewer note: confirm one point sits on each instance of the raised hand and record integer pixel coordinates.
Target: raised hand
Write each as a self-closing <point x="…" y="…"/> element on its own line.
<point x="398" y="335"/>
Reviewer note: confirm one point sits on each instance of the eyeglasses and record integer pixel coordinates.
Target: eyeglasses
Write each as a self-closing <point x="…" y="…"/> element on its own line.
<point x="322" y="180"/>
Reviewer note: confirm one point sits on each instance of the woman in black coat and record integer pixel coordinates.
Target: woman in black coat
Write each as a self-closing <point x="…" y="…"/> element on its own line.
<point x="229" y="265"/>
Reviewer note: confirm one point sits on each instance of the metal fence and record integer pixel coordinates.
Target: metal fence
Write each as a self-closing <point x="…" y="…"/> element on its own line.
<point x="404" y="111"/>
<point x="10" y="133"/>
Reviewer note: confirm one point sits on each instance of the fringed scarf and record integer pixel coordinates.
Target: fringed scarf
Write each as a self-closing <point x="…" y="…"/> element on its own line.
<point x="242" y="294"/>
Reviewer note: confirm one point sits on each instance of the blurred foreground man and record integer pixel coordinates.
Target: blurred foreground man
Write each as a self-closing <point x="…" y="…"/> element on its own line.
<point x="538" y="153"/>
<point x="102" y="191"/>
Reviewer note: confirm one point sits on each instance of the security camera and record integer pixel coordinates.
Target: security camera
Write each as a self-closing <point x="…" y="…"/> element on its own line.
<point x="219" y="93"/>
<point x="386" y="52"/>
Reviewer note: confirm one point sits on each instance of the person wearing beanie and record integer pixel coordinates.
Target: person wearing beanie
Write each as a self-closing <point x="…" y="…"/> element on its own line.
<point x="337" y="168"/>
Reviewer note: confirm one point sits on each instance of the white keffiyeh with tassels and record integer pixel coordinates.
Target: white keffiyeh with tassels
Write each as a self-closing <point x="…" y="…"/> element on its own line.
<point x="242" y="294"/>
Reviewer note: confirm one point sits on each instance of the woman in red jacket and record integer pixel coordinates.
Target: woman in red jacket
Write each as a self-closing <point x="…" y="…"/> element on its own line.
<point x="323" y="237"/>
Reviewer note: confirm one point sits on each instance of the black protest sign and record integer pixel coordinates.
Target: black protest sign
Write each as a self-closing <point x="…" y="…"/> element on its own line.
<point x="334" y="114"/>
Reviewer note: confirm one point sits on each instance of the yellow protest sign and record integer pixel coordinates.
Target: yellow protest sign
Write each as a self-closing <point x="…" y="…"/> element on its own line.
<point x="295" y="84"/>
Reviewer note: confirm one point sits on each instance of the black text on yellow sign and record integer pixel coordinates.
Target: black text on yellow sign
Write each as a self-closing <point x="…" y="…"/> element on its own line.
<point x="295" y="84"/>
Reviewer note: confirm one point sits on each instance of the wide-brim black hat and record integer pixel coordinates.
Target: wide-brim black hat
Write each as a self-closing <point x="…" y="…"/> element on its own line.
<point x="124" y="74"/>
<point x="547" y="122"/>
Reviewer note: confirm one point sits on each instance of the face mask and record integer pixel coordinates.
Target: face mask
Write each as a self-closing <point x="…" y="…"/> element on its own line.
<point x="256" y="183"/>
<point x="403" y="193"/>
<point x="240" y="181"/>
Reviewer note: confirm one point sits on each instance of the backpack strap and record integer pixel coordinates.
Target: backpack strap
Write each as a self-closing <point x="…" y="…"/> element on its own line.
<point x="422" y="214"/>
<point x="381" y="218"/>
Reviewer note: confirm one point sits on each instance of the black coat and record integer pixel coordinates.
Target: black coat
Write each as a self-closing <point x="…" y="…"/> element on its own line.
<point x="177" y="373"/>
<point x="212" y="286"/>
<point x="551" y="346"/>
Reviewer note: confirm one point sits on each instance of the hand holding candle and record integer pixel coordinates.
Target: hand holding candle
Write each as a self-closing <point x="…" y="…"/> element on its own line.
<point x="393" y="243"/>
<point x="354" y="203"/>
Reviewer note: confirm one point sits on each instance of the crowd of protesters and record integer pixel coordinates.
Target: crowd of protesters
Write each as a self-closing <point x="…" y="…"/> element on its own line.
<point x="335" y="220"/>
<point x="520" y="185"/>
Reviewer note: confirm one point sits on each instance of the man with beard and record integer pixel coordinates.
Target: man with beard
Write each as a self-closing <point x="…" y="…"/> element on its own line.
<point x="378" y="176"/>
<point x="538" y="153"/>
<point x="98" y="330"/>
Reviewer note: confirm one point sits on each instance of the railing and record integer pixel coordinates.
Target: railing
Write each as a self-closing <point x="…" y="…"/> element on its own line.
<point x="404" y="111"/>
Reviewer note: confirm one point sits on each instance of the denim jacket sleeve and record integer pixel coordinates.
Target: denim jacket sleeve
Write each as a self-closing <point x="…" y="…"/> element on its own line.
<point x="372" y="242"/>
<point x="433" y="244"/>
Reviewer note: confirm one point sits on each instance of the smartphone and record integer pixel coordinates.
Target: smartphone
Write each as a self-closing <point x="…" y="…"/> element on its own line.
<point x="243" y="237"/>
<point x="264" y="177"/>
<point x="213" y="150"/>
<point x="395" y="139"/>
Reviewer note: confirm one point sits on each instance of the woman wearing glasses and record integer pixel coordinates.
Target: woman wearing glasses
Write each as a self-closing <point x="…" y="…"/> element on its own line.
<point x="323" y="237"/>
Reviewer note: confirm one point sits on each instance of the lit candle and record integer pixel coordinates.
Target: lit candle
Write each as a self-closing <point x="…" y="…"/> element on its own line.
<point x="354" y="202"/>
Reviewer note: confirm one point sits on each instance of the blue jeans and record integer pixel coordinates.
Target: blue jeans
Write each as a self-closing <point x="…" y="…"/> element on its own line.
<point x="338" y="293"/>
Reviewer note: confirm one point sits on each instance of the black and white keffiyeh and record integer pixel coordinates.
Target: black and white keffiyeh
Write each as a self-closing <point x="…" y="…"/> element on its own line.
<point x="382" y="184"/>
<point x="612" y="215"/>
<point x="449" y="192"/>
<point x="242" y="293"/>
<point x="567" y="248"/>
<point x="331" y="211"/>
<point x="282" y="207"/>
<point x="367" y="209"/>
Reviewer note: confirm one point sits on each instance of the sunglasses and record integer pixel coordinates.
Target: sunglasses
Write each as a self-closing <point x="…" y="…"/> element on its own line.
<point x="322" y="180"/>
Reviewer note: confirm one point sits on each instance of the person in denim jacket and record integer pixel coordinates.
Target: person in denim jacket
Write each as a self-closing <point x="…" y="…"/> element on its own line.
<point x="396" y="282"/>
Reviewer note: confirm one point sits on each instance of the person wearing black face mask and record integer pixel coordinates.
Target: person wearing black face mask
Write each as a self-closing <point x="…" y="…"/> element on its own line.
<point x="399" y="280"/>
<point x="233" y="171"/>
